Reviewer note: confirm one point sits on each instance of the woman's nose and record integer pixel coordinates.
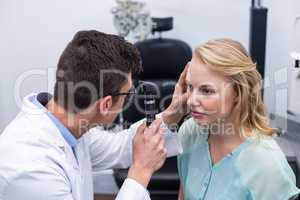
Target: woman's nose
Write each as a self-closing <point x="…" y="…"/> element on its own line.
<point x="193" y="100"/>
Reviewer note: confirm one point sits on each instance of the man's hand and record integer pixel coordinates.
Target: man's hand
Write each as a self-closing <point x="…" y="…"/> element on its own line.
<point x="149" y="153"/>
<point x="178" y="107"/>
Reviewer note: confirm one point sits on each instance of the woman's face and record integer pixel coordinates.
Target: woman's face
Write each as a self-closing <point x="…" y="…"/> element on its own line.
<point x="211" y="95"/>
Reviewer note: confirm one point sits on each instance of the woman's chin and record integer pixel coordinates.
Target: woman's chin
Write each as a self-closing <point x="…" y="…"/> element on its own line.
<point x="202" y="121"/>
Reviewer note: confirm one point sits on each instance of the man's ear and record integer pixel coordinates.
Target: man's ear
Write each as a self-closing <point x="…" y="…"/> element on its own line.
<point x="105" y="105"/>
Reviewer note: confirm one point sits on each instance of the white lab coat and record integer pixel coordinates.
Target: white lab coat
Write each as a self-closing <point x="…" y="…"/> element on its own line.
<point x="36" y="162"/>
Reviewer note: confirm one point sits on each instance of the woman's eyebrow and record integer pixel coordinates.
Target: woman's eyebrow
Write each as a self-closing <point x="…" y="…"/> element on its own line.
<point x="205" y="86"/>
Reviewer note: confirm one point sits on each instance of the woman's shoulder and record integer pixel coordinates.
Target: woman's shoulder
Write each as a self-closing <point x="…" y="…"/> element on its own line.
<point x="264" y="153"/>
<point x="264" y="169"/>
<point x="264" y="150"/>
<point x="191" y="134"/>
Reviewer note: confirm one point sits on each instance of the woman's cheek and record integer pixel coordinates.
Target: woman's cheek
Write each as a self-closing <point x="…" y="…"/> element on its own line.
<point x="211" y="106"/>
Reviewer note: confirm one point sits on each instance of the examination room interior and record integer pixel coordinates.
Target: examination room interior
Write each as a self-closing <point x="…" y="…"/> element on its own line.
<point x="34" y="33"/>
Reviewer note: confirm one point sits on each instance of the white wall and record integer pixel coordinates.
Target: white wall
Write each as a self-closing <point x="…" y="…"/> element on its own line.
<point x="33" y="33"/>
<point x="281" y="41"/>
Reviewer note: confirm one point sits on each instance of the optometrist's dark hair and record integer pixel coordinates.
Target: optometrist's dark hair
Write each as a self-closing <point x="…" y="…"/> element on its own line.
<point x="96" y="60"/>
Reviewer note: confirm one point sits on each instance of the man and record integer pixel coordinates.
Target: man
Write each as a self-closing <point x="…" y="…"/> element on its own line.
<point x="51" y="148"/>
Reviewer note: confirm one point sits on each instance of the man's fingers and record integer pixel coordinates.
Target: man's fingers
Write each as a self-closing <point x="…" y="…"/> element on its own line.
<point x="157" y="138"/>
<point x="182" y="77"/>
<point x="154" y="127"/>
<point x="165" y="152"/>
<point x="185" y="97"/>
<point x="141" y="128"/>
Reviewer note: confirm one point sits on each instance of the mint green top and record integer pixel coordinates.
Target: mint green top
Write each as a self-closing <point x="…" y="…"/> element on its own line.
<point x="257" y="169"/>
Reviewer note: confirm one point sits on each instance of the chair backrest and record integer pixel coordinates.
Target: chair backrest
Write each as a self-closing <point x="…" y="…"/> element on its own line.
<point x="163" y="58"/>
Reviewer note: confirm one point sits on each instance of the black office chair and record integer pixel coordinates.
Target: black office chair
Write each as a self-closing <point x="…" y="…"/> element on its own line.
<point x="163" y="60"/>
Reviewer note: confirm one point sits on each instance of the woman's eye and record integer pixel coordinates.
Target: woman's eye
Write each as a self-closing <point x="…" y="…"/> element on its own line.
<point x="207" y="91"/>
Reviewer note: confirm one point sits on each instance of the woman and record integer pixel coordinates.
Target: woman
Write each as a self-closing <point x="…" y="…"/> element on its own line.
<point x="228" y="149"/>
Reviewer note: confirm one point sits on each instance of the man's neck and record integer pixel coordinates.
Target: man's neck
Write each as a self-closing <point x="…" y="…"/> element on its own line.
<point x="68" y="119"/>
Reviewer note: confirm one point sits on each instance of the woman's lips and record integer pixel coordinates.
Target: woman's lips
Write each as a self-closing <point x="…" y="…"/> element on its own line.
<point x="198" y="114"/>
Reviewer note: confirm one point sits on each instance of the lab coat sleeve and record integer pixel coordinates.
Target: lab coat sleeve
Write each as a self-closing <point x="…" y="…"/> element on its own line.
<point x="132" y="190"/>
<point x="114" y="150"/>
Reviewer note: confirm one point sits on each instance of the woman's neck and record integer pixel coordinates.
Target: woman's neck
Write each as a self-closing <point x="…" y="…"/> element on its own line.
<point x="226" y="143"/>
<point x="225" y="137"/>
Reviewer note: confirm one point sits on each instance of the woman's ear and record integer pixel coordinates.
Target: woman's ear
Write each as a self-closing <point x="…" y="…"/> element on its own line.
<point x="105" y="105"/>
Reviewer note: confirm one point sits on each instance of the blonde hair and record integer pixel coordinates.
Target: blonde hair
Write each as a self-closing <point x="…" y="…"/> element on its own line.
<point x="230" y="58"/>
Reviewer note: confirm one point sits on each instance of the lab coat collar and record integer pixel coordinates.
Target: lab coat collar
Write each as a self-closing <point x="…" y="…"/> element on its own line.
<point x="34" y="104"/>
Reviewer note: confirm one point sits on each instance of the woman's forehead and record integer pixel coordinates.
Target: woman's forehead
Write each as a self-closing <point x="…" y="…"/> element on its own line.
<point x="201" y="74"/>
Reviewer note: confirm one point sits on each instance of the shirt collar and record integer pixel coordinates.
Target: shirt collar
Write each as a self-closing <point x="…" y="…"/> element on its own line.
<point x="40" y="101"/>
